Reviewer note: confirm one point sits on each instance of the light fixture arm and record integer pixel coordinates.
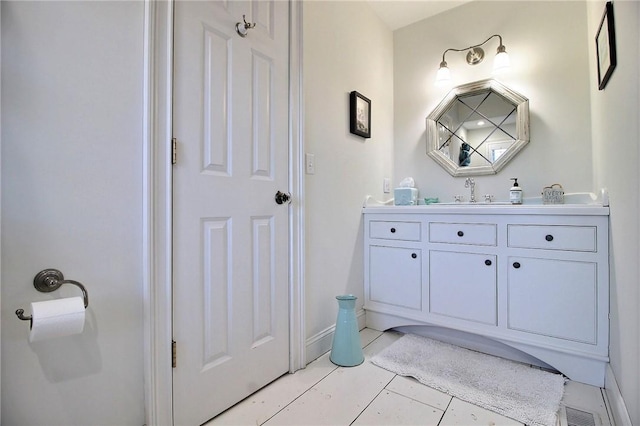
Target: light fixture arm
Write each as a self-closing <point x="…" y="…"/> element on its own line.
<point x="500" y="47"/>
<point x="475" y="55"/>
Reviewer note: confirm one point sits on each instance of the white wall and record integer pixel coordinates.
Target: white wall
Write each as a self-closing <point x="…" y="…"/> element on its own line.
<point x="346" y="47"/>
<point x="615" y="133"/>
<point x="547" y="45"/>
<point x="71" y="200"/>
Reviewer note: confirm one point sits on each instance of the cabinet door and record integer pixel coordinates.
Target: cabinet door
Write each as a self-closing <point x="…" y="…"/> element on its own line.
<point x="556" y="298"/>
<point x="463" y="285"/>
<point x="395" y="276"/>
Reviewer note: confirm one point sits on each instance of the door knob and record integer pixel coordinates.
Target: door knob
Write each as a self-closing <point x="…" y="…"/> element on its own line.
<point x="281" y="197"/>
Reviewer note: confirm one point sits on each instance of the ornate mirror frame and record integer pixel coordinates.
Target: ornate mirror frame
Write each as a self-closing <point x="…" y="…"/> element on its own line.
<point x="521" y="138"/>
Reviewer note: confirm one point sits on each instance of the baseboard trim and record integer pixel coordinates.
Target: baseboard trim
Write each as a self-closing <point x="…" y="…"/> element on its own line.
<point x="320" y="343"/>
<point x="615" y="403"/>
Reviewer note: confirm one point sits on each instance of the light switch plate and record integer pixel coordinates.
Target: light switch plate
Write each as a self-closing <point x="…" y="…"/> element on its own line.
<point x="310" y="163"/>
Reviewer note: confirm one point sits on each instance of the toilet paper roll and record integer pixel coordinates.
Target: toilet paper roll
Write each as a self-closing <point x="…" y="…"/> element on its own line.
<point x="56" y="318"/>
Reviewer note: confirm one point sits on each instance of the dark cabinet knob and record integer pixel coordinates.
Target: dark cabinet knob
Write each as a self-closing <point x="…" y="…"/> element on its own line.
<point x="393" y="230"/>
<point x="549" y="237"/>
<point x="487" y="262"/>
<point x="413" y="255"/>
<point x="516" y="265"/>
<point x="460" y="233"/>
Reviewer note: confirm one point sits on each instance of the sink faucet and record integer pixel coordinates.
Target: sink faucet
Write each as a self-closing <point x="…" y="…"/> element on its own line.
<point x="470" y="183"/>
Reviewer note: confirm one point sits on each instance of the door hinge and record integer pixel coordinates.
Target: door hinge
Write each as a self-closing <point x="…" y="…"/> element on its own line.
<point x="174" y="150"/>
<point x="173" y="354"/>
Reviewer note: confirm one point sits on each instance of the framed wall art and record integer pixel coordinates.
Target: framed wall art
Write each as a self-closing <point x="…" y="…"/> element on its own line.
<point x="606" y="47"/>
<point x="359" y="115"/>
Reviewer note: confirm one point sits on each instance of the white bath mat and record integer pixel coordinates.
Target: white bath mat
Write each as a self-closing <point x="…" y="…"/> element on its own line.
<point x="515" y="390"/>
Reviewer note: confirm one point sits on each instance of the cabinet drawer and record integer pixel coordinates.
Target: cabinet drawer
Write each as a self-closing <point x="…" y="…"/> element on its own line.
<point x="553" y="237"/>
<point x="387" y="230"/>
<point x="481" y="234"/>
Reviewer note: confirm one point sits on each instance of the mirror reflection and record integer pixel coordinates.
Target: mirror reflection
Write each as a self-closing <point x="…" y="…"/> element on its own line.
<point x="477" y="128"/>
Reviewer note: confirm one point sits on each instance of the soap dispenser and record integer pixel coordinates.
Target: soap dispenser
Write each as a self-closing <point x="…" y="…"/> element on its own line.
<point x="515" y="193"/>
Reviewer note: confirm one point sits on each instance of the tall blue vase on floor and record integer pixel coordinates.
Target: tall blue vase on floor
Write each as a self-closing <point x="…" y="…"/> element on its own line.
<point x="346" y="350"/>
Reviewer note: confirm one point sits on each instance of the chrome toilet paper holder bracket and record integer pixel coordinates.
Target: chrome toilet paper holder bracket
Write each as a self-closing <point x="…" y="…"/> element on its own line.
<point x="49" y="280"/>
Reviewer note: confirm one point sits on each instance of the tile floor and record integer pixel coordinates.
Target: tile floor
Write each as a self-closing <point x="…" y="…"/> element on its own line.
<point x="324" y="394"/>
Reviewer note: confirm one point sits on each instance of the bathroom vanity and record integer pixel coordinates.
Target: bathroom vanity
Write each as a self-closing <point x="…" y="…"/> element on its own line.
<point x="535" y="278"/>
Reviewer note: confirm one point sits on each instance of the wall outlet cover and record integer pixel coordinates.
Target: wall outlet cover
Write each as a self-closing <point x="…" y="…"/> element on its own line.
<point x="386" y="185"/>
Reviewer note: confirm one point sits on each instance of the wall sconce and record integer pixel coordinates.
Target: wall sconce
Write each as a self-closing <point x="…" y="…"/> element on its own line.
<point x="475" y="55"/>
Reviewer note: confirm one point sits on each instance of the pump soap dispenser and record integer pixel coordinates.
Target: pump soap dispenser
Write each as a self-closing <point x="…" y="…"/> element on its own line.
<point x="515" y="193"/>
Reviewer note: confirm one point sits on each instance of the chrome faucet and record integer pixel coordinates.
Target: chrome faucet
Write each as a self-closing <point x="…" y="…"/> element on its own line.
<point x="470" y="183"/>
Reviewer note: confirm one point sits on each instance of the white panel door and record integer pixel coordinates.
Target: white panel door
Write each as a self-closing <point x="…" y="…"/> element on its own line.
<point x="230" y="288"/>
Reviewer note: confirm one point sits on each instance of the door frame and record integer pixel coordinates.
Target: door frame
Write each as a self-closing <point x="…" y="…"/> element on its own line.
<point x="157" y="205"/>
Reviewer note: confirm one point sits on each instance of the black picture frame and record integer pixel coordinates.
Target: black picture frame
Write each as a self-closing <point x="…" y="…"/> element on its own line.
<point x="606" y="47"/>
<point x="360" y="114"/>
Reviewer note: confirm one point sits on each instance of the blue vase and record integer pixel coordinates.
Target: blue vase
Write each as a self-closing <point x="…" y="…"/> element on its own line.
<point x="346" y="350"/>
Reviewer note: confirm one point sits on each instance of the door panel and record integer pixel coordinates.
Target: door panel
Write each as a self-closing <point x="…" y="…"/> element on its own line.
<point x="216" y="93"/>
<point x="543" y="290"/>
<point x="230" y="237"/>
<point x="395" y="276"/>
<point x="464" y="286"/>
<point x="216" y="290"/>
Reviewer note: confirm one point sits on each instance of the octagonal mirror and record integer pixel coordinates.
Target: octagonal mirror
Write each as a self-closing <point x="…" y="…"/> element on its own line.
<point x="478" y="128"/>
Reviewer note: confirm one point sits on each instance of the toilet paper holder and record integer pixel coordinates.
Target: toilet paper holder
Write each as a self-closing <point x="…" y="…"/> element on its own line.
<point x="49" y="280"/>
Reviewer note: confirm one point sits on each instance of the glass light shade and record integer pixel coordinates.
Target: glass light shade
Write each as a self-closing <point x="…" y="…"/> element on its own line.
<point x="443" y="76"/>
<point x="501" y="61"/>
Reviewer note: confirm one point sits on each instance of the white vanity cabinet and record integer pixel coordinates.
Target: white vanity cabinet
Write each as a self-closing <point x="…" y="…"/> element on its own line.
<point x="462" y="270"/>
<point x="535" y="278"/>
<point x="555" y="273"/>
<point x="396" y="267"/>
